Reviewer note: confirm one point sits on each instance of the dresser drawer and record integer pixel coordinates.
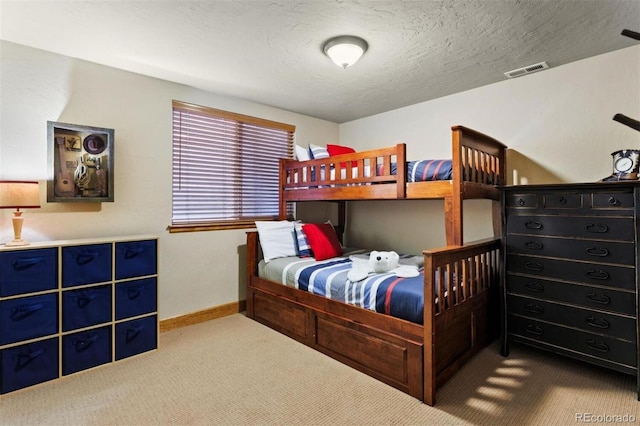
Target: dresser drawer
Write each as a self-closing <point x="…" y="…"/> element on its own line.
<point x="621" y="327"/>
<point x="521" y="201"/>
<point x="599" y="228"/>
<point x="27" y="271"/>
<point x="29" y="364"/>
<point x="28" y="318"/>
<point x="86" y="264"/>
<point x="136" y="336"/>
<point x="581" y="272"/>
<point x="136" y="298"/>
<point x="612" y="200"/>
<point x="601" y="298"/>
<point x="135" y="259"/>
<point x="590" y="250"/>
<point x="86" y="307"/>
<point x="86" y="349"/>
<point x="597" y="346"/>
<point x="562" y="200"/>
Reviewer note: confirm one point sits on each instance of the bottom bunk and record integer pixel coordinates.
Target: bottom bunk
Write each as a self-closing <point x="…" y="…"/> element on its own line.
<point x="459" y="319"/>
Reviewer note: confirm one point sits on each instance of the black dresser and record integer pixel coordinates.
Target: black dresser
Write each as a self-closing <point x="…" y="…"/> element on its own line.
<point x="570" y="281"/>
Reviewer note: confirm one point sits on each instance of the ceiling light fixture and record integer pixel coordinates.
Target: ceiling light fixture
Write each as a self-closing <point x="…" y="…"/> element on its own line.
<point x="345" y="50"/>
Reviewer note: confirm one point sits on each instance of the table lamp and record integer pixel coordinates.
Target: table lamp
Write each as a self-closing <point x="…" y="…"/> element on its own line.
<point x="16" y="195"/>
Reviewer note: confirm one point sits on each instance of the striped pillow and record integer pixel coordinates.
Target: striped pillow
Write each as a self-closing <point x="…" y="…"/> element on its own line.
<point x="302" y="244"/>
<point x="316" y="152"/>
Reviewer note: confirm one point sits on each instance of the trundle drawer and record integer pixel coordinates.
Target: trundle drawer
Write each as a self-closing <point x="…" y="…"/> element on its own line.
<point x="598" y="346"/>
<point x="622" y="327"/>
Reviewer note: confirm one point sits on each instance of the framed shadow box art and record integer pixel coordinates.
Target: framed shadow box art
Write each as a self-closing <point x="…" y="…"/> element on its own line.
<point x="80" y="163"/>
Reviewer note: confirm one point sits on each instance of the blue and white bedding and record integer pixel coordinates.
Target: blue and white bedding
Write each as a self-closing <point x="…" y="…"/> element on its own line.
<point x="383" y="293"/>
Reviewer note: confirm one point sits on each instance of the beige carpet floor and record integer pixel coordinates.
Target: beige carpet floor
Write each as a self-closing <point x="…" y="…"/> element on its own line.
<point x="234" y="371"/>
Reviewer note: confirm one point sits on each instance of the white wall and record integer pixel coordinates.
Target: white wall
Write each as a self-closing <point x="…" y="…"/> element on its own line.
<point x="557" y="123"/>
<point x="198" y="270"/>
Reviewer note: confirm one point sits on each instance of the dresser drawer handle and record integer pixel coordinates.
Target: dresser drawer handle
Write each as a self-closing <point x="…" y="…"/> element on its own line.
<point x="598" y="346"/>
<point x="534" y="266"/>
<point x="614" y="201"/>
<point x="86" y="257"/>
<point x="521" y="202"/>
<point x="533" y="224"/>
<point x="24" y="359"/>
<point x="22" y="264"/>
<point x="534" y="287"/>
<point x="596" y="228"/>
<point x="562" y="200"/>
<point x="23" y="311"/>
<point x="597" y="322"/>
<point x="597" y="251"/>
<point x="599" y="298"/>
<point x="82" y="345"/>
<point x="598" y="274"/>
<point x="534" y="308"/>
<point x="533" y="245"/>
<point x="534" y="329"/>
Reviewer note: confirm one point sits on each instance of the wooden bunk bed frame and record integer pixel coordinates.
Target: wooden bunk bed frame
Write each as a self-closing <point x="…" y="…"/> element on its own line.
<point x="458" y="323"/>
<point x="478" y="166"/>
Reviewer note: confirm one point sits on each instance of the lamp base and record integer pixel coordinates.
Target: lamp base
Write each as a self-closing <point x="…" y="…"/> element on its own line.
<point x="15" y="243"/>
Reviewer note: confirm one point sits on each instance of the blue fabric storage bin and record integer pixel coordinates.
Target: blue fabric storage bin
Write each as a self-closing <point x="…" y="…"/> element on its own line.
<point x="86" y="349"/>
<point x="29" y="364"/>
<point x="28" y="317"/>
<point x="86" y="307"/>
<point x="136" y="336"/>
<point x="136" y="298"/>
<point x="86" y="264"/>
<point x="27" y="271"/>
<point x="136" y="259"/>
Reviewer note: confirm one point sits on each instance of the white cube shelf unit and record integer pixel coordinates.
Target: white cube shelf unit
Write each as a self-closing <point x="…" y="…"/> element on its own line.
<point x="72" y="305"/>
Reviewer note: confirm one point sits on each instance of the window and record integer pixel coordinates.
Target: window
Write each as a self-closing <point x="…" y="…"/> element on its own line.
<point x="225" y="168"/>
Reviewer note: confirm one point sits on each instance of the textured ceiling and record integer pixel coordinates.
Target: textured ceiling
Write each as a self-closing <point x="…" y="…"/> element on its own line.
<point x="270" y="52"/>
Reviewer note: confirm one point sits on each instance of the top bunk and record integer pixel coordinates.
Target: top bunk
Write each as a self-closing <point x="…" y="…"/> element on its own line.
<point x="476" y="168"/>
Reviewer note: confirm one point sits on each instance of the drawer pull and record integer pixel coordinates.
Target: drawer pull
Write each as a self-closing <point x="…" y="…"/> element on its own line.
<point x="21" y="312"/>
<point x="521" y="202"/>
<point x="613" y="201"/>
<point x="24" y="359"/>
<point x="533" y="224"/>
<point x="84" y="344"/>
<point x="533" y="245"/>
<point x="598" y="346"/>
<point x="535" y="287"/>
<point x="562" y="200"/>
<point x="597" y="251"/>
<point x="130" y="253"/>
<point x="86" y="257"/>
<point x="597" y="322"/>
<point x="534" y="308"/>
<point x="596" y="228"/>
<point x="597" y="274"/>
<point x="85" y="299"/>
<point x="534" y="266"/>
<point x="22" y="264"/>
<point x="534" y="329"/>
<point x="132" y="332"/>
<point x="599" y="298"/>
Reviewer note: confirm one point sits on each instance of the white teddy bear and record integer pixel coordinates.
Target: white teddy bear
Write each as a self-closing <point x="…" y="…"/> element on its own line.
<point x="379" y="262"/>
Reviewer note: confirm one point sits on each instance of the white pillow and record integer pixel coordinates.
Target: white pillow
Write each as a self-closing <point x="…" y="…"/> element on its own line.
<point x="277" y="239"/>
<point x="302" y="154"/>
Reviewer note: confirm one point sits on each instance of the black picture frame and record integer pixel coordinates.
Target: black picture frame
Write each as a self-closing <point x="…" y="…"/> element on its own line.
<point x="81" y="166"/>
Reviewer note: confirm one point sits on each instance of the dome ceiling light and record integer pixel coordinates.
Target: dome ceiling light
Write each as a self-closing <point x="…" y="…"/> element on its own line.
<point x="345" y="50"/>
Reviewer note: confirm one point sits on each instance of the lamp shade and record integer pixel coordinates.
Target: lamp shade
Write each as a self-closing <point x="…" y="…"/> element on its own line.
<point x="345" y="51"/>
<point x="19" y="194"/>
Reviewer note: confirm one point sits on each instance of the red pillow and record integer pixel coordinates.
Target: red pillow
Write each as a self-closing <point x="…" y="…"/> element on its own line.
<point x="323" y="240"/>
<point x="339" y="150"/>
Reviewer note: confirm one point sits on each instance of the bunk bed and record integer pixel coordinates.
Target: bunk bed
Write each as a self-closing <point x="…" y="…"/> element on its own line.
<point x="461" y="309"/>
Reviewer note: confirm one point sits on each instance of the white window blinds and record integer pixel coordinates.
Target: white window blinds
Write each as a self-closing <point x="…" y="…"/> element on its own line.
<point x="225" y="167"/>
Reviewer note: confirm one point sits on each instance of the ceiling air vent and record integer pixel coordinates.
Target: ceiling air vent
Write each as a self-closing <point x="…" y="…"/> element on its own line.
<point x="526" y="70"/>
